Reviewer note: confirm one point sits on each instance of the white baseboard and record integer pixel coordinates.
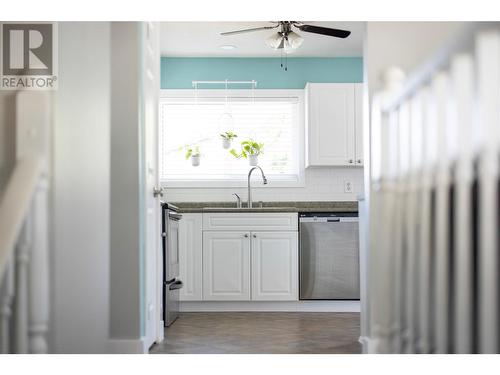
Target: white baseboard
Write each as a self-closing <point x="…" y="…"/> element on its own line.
<point x="127" y="346"/>
<point x="283" y="306"/>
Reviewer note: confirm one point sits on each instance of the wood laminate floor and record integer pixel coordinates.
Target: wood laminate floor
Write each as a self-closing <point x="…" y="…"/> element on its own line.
<point x="262" y="332"/>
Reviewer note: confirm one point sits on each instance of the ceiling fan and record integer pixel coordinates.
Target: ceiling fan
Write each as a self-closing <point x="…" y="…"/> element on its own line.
<point x="287" y="40"/>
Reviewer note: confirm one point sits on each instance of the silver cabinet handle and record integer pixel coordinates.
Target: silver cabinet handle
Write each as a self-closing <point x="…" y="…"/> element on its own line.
<point x="351" y="161"/>
<point x="359" y="161"/>
<point x="246" y="235"/>
<point x="254" y="236"/>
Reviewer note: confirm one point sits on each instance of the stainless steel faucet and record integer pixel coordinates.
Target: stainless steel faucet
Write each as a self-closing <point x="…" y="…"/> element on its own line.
<point x="238" y="200"/>
<point x="264" y="181"/>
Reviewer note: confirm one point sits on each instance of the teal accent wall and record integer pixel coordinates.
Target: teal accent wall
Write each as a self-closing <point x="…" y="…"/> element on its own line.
<point x="179" y="72"/>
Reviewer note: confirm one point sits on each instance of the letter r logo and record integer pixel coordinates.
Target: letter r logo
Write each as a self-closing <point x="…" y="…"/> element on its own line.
<point x="27" y="49"/>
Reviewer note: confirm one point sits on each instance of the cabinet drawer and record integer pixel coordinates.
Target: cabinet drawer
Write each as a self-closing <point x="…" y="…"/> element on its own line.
<point x="261" y="221"/>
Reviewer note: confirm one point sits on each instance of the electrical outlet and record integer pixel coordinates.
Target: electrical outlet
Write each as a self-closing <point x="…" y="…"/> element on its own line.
<point x="348" y="188"/>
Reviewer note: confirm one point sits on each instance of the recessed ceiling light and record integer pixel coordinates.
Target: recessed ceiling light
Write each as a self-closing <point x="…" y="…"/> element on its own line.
<point x="228" y="47"/>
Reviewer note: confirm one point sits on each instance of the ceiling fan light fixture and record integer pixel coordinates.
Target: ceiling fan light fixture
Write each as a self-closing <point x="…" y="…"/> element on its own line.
<point x="291" y="42"/>
<point x="294" y="40"/>
<point x="275" y="40"/>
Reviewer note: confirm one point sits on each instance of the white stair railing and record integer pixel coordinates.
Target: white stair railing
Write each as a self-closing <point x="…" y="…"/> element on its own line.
<point x="434" y="207"/>
<point x="24" y="281"/>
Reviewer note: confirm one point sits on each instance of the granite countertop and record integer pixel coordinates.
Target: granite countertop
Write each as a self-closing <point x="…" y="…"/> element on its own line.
<point x="191" y="207"/>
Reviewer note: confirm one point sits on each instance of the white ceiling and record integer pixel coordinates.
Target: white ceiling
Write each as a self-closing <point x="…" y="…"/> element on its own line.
<point x="203" y="39"/>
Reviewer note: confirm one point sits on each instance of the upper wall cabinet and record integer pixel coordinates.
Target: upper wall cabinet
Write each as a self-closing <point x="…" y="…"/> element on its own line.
<point x="332" y="118"/>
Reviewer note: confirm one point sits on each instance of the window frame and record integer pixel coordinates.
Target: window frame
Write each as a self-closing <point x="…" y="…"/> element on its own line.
<point x="241" y="93"/>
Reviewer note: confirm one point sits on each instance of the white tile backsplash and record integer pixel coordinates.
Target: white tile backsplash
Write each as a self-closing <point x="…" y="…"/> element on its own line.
<point x="321" y="184"/>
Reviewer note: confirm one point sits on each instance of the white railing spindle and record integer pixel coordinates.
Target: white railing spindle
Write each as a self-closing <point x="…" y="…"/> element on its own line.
<point x="23" y="249"/>
<point x="488" y="81"/>
<point x="38" y="274"/>
<point x="463" y="87"/>
<point x="6" y="301"/>
<point x="424" y="215"/>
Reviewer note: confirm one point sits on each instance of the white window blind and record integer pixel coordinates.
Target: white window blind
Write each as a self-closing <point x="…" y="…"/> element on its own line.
<point x="189" y="122"/>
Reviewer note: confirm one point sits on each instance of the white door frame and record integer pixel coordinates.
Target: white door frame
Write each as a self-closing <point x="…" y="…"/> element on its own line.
<point x="150" y="72"/>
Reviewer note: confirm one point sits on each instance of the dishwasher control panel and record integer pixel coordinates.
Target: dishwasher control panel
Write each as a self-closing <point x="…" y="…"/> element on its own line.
<point x="328" y="217"/>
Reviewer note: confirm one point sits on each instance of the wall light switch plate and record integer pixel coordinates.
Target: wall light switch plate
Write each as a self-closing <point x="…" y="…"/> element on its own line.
<point x="348" y="188"/>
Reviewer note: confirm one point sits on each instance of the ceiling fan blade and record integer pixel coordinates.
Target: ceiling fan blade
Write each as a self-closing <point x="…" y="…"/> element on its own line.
<point x="248" y="30"/>
<point x="323" y="30"/>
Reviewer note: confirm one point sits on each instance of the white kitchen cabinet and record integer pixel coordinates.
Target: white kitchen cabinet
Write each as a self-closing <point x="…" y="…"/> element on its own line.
<point x="330" y="124"/>
<point x="190" y="257"/>
<point x="358" y="104"/>
<point x="226" y="266"/>
<point x="334" y="124"/>
<point x="274" y="266"/>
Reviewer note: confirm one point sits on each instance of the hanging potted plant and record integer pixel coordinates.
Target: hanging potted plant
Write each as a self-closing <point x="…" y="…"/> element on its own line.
<point x="227" y="138"/>
<point x="249" y="150"/>
<point x="194" y="154"/>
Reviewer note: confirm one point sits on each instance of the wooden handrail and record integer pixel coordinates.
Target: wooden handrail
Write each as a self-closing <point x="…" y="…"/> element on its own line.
<point x="14" y="205"/>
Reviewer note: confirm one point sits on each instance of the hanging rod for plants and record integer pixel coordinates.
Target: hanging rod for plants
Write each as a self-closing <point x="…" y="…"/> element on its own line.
<point x="225" y="82"/>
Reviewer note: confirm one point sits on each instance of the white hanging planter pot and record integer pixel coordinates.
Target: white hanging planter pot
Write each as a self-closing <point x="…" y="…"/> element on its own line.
<point x="253" y="160"/>
<point x="226" y="143"/>
<point x="195" y="160"/>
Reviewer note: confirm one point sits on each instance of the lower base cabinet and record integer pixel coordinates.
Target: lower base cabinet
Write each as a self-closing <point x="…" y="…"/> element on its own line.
<point x="226" y="266"/>
<point x="274" y="266"/>
<point x="190" y="257"/>
<point x="238" y="265"/>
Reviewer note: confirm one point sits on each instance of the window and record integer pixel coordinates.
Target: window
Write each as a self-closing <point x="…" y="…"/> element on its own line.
<point x="190" y="119"/>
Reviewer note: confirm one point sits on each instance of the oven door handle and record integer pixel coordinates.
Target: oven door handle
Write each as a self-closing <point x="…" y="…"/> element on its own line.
<point x="174" y="216"/>
<point x="170" y="281"/>
<point x="175" y="285"/>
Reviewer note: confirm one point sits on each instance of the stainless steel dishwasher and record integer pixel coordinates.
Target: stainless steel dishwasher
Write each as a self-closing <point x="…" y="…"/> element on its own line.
<point x="329" y="256"/>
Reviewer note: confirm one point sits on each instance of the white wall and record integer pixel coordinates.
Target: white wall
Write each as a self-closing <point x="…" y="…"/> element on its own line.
<point x="321" y="184"/>
<point x="125" y="283"/>
<point x="81" y="203"/>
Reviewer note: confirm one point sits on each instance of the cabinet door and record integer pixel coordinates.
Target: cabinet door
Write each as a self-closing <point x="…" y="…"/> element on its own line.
<point x="190" y="256"/>
<point x="358" y="90"/>
<point x="226" y="266"/>
<point x="330" y="124"/>
<point x="275" y="266"/>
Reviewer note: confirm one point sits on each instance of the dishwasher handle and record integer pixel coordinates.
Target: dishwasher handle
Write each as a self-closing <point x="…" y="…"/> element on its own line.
<point x="328" y="219"/>
<point x="316" y="219"/>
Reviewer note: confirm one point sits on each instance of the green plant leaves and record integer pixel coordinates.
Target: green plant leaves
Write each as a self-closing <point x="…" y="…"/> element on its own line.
<point x="228" y="135"/>
<point x="248" y="148"/>
<point x="192" y="152"/>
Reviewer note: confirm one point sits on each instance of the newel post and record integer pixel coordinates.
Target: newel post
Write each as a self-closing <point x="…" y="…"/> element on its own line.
<point x="33" y="124"/>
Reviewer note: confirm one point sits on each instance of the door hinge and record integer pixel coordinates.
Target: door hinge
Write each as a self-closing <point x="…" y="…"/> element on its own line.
<point x="157" y="192"/>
